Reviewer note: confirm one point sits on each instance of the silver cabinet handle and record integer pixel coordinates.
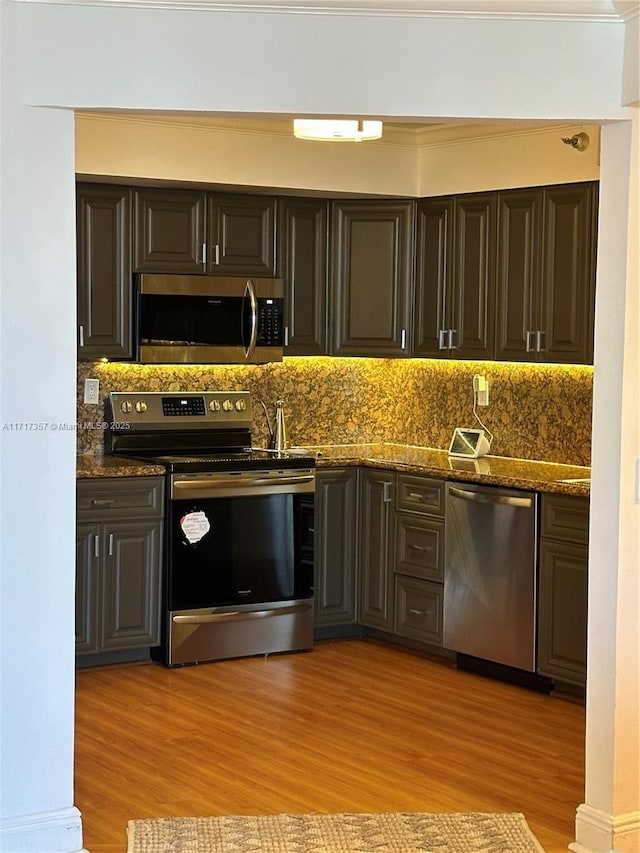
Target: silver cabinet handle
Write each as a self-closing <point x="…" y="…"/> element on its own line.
<point x="416" y="496"/>
<point x="539" y="337"/>
<point x="96" y="545"/>
<point x="529" y="345"/>
<point x="484" y="498"/>
<point x="250" y="291"/>
<point x="452" y="332"/>
<point x="403" y="339"/>
<point x="217" y="255"/>
<point x="81" y="334"/>
<point x="442" y="339"/>
<point x="415" y="612"/>
<point x="417" y="548"/>
<point x="204" y="254"/>
<point x="286" y="336"/>
<point x="386" y="493"/>
<point x="102" y="502"/>
<point x="111" y="544"/>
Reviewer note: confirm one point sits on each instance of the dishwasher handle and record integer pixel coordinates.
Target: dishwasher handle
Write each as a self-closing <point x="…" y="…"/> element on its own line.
<point x="483" y="497"/>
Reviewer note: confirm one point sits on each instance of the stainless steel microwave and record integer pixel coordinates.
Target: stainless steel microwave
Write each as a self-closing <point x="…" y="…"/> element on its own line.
<point x="197" y="319"/>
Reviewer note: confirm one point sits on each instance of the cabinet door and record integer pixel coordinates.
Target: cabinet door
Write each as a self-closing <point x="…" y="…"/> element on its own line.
<point x="472" y="295"/>
<point x="303" y="252"/>
<point x="335" y="551"/>
<point x="519" y="250"/>
<point x="130" y="606"/>
<point x="562" y="619"/>
<point x="103" y="217"/>
<point x="88" y="548"/>
<point x="376" y="550"/>
<point x="567" y="290"/>
<point x="371" y="282"/>
<point x="433" y="276"/>
<point x="241" y="235"/>
<point x="169" y="231"/>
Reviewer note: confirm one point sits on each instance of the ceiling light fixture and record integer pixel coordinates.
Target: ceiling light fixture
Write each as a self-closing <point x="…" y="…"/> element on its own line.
<point x="324" y="130"/>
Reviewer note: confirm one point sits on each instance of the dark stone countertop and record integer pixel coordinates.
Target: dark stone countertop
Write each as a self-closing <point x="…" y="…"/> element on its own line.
<point x="491" y="470"/>
<point x="92" y="466"/>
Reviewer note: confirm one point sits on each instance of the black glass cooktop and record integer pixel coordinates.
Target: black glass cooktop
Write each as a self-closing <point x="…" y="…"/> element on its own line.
<point x="236" y="461"/>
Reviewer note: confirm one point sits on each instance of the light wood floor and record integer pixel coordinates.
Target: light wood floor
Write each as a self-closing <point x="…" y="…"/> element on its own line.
<point x="351" y="726"/>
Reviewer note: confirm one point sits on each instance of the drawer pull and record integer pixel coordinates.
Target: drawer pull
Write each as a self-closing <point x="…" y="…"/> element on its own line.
<point x="102" y="502"/>
<point x="418" y="547"/>
<point x="416" y="496"/>
<point x="415" y="612"/>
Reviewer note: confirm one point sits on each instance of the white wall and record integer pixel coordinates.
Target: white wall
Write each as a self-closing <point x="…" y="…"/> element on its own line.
<point x="144" y="58"/>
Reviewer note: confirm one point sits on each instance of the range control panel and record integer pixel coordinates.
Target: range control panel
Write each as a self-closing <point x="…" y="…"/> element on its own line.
<point x="178" y="410"/>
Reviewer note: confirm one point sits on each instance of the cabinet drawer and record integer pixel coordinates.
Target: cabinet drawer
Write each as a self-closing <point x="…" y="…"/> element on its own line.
<point x="419" y="547"/>
<point x="565" y="517"/>
<point x="420" y="494"/>
<point x="114" y="497"/>
<point x="418" y="612"/>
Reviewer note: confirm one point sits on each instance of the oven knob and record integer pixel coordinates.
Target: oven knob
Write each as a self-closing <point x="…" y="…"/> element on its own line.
<point x="126" y="406"/>
<point x="141" y="406"/>
<point x="227" y="405"/>
<point x="240" y="405"/>
<point x="214" y="406"/>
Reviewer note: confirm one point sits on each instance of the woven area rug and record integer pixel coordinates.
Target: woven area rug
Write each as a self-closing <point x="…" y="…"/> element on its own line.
<point x="337" y="833"/>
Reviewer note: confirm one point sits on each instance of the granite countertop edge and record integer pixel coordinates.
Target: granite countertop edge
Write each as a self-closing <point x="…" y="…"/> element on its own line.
<point x="423" y="461"/>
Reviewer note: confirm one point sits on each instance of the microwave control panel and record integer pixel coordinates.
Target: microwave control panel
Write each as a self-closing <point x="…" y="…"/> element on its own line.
<point x="270" y="322"/>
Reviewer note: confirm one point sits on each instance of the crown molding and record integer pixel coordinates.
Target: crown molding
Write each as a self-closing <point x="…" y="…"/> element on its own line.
<point x="594" y="11"/>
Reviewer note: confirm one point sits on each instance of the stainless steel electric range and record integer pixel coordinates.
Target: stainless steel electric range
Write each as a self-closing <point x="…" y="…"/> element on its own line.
<point x="239" y="541"/>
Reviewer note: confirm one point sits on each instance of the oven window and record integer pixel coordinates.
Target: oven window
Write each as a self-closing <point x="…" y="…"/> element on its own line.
<point x="240" y="550"/>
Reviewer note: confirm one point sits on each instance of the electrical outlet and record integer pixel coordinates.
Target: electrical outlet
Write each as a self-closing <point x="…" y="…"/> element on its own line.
<point x="92" y="391"/>
<point x="481" y="388"/>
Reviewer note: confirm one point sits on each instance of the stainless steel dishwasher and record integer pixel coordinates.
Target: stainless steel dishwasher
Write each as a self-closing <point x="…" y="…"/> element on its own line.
<point x="490" y="574"/>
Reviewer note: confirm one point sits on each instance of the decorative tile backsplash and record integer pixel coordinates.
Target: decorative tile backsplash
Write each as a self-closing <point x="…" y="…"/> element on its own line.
<point x="535" y="411"/>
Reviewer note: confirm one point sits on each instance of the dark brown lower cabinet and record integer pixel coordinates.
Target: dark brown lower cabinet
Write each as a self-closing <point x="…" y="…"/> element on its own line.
<point x="418" y="610"/>
<point x="419" y="558"/>
<point x="562" y="611"/>
<point x="375" y="549"/>
<point x="118" y="564"/>
<point x="336" y="505"/>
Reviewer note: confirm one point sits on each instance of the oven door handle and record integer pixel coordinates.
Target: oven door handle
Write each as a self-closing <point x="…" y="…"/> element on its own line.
<point x="230" y="486"/>
<point x="237" y="615"/>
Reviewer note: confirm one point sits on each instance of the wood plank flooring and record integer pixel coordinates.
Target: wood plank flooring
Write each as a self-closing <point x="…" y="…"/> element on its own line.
<point x="353" y="725"/>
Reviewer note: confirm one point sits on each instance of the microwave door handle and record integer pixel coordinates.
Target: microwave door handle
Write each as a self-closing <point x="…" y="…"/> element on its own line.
<point x="251" y="293"/>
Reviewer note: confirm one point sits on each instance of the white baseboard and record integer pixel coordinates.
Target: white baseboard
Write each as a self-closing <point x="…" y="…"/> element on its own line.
<point x="598" y="832"/>
<point x="46" y="832"/>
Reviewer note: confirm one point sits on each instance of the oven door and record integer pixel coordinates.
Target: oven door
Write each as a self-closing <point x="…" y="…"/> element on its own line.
<point x="240" y="538"/>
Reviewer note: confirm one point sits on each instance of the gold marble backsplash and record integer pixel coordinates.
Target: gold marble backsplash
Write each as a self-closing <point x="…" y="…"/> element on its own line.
<point x="538" y="412"/>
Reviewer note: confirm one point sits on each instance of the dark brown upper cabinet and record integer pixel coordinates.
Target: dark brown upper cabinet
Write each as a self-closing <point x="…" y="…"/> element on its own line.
<point x="169" y="231"/>
<point x="546" y="274"/>
<point x="455" y="277"/>
<point x="371" y="277"/>
<point x="303" y="241"/>
<point x="103" y="216"/>
<point x="184" y="231"/>
<point x="241" y="235"/>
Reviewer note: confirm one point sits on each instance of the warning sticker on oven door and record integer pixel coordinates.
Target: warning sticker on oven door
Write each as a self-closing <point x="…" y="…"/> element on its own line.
<point x="195" y="525"/>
